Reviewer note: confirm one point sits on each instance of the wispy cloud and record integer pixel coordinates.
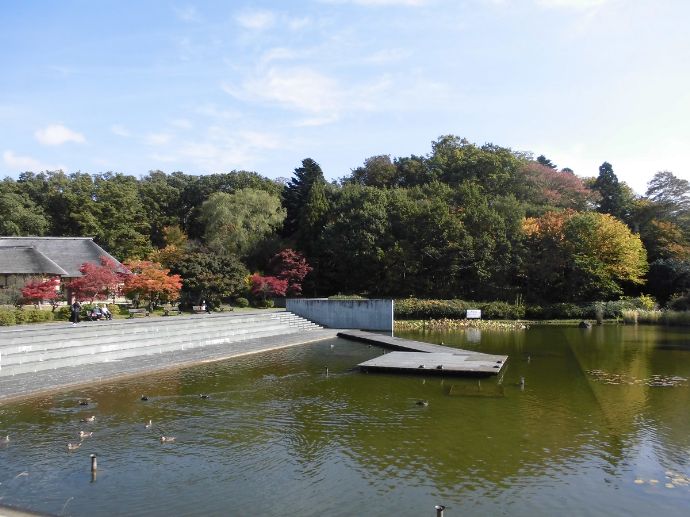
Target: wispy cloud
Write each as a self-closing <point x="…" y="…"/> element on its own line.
<point x="256" y="20"/>
<point x="376" y="3"/>
<point x="158" y="138"/>
<point x="577" y="4"/>
<point x="187" y="14"/>
<point x="299" y="88"/>
<point x="57" y="134"/>
<point x="23" y="163"/>
<point x="223" y="149"/>
<point x="120" y="130"/>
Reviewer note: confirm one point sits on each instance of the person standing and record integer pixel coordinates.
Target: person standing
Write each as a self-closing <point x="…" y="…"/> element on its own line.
<point x="74" y="309"/>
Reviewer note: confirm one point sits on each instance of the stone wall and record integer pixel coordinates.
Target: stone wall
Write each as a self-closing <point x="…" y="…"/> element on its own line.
<point x="345" y="314"/>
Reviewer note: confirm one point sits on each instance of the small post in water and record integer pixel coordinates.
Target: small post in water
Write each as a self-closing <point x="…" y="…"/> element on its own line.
<point x="94" y="467"/>
<point x="439" y="510"/>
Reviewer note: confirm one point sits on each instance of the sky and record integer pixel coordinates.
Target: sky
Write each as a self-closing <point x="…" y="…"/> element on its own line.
<point x="213" y="86"/>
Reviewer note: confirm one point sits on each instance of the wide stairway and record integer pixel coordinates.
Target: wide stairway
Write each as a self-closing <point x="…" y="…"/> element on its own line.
<point x="35" y="348"/>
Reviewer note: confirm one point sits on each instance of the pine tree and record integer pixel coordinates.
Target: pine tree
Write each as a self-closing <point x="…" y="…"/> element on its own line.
<point x="612" y="198"/>
<point x="297" y="194"/>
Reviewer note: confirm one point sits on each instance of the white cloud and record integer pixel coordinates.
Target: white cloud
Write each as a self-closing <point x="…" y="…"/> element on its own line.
<point x="158" y="138"/>
<point x="298" y="88"/>
<point x="181" y="123"/>
<point x="187" y="13"/>
<point x="376" y="3"/>
<point x="120" y="130"/>
<point x="256" y="20"/>
<point x="577" y="4"/>
<point x="23" y="163"/>
<point x="57" y="134"/>
<point x="213" y="111"/>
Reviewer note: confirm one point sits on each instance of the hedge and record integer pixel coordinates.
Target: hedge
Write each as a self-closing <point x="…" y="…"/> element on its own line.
<point x="413" y="308"/>
<point x="18" y="316"/>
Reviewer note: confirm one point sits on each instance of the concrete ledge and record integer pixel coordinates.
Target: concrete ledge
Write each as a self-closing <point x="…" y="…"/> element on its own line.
<point x="32" y="384"/>
<point x="345" y="314"/>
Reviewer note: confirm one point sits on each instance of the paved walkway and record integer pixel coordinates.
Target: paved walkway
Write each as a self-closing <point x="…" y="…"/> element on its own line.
<point x="31" y="384"/>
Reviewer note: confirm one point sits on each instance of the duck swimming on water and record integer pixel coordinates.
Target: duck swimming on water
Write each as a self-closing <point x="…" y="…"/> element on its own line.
<point x="85" y="434"/>
<point x="167" y="439"/>
<point x="149" y="424"/>
<point x="91" y="418"/>
<point x="73" y="446"/>
<point x="144" y="398"/>
<point x="423" y="403"/>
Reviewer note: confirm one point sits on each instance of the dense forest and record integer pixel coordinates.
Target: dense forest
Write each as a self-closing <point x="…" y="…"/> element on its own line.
<point x="464" y="221"/>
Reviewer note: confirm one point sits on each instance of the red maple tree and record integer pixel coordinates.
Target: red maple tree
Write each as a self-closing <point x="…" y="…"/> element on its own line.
<point x="43" y="291"/>
<point x="97" y="281"/>
<point x="264" y="286"/>
<point x="290" y="265"/>
<point x="151" y="282"/>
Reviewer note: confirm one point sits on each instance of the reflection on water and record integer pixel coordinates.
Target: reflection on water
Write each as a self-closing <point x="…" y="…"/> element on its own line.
<point x="600" y="427"/>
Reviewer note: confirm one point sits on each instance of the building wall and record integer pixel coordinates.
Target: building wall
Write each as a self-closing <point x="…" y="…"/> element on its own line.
<point x="345" y="314"/>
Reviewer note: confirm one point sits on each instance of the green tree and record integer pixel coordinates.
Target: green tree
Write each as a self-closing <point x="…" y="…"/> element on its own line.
<point x="19" y="215"/>
<point x="581" y="256"/>
<point x="612" y="200"/>
<point x="237" y="223"/>
<point x="543" y="160"/>
<point x="209" y="276"/>
<point x="123" y="227"/>
<point x="296" y="195"/>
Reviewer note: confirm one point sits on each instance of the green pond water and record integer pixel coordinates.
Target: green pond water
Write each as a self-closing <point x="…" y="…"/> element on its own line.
<point x="602" y="415"/>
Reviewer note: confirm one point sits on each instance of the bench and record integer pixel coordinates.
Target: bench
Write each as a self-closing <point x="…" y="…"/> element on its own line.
<point x="169" y="310"/>
<point x="199" y="309"/>
<point x="135" y="312"/>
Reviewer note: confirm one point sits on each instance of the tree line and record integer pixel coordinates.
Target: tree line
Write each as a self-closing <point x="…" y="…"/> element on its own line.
<point x="477" y="222"/>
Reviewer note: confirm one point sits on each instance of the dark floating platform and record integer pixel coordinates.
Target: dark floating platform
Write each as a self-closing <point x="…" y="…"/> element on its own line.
<point x="417" y="357"/>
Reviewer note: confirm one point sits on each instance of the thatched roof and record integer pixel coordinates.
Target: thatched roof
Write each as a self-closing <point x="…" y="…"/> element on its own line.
<point x="21" y="260"/>
<point x="66" y="253"/>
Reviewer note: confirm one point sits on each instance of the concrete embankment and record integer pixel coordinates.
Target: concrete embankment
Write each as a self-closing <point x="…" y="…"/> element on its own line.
<point x="40" y="358"/>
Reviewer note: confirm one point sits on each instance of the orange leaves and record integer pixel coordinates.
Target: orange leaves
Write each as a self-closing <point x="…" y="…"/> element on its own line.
<point x="151" y="281"/>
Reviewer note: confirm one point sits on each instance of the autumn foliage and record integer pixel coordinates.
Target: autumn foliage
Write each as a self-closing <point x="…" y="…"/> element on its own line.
<point x="151" y="282"/>
<point x="97" y="281"/>
<point x="291" y="266"/>
<point x="267" y="286"/>
<point x="42" y="291"/>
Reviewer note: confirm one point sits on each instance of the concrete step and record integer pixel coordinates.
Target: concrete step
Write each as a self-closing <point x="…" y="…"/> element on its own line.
<point x="59" y="349"/>
<point x="38" y="348"/>
<point x="87" y="329"/>
<point x="141" y="334"/>
<point x="106" y="355"/>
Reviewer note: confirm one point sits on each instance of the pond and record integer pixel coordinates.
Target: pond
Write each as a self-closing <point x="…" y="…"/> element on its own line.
<point x="600" y="427"/>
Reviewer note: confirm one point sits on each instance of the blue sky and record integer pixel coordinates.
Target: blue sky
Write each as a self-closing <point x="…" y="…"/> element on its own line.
<point x="212" y="86"/>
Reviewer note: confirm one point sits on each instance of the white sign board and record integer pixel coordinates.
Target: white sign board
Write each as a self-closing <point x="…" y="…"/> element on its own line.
<point x="474" y="314"/>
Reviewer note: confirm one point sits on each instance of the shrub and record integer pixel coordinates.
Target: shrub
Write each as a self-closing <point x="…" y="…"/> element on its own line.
<point x="264" y="304"/>
<point x="346" y="297"/>
<point x="242" y="302"/>
<point x="38" y="316"/>
<point x="10" y="296"/>
<point x="412" y="308"/>
<point x="502" y="311"/>
<point x="7" y="317"/>
<point x="63" y="313"/>
<point x="679" y="302"/>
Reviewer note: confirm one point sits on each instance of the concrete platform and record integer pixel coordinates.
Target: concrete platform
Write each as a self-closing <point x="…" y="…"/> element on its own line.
<point x="435" y="359"/>
<point x="435" y="363"/>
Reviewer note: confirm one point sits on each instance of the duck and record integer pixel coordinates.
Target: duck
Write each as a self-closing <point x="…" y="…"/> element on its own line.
<point x="5" y="439"/>
<point x="167" y="439"/>
<point x="85" y="434"/>
<point x="423" y="403"/>
<point x="204" y="396"/>
<point x="144" y="398"/>
<point x="84" y="402"/>
<point x="149" y="424"/>
<point x="91" y="418"/>
<point x="73" y="446"/>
